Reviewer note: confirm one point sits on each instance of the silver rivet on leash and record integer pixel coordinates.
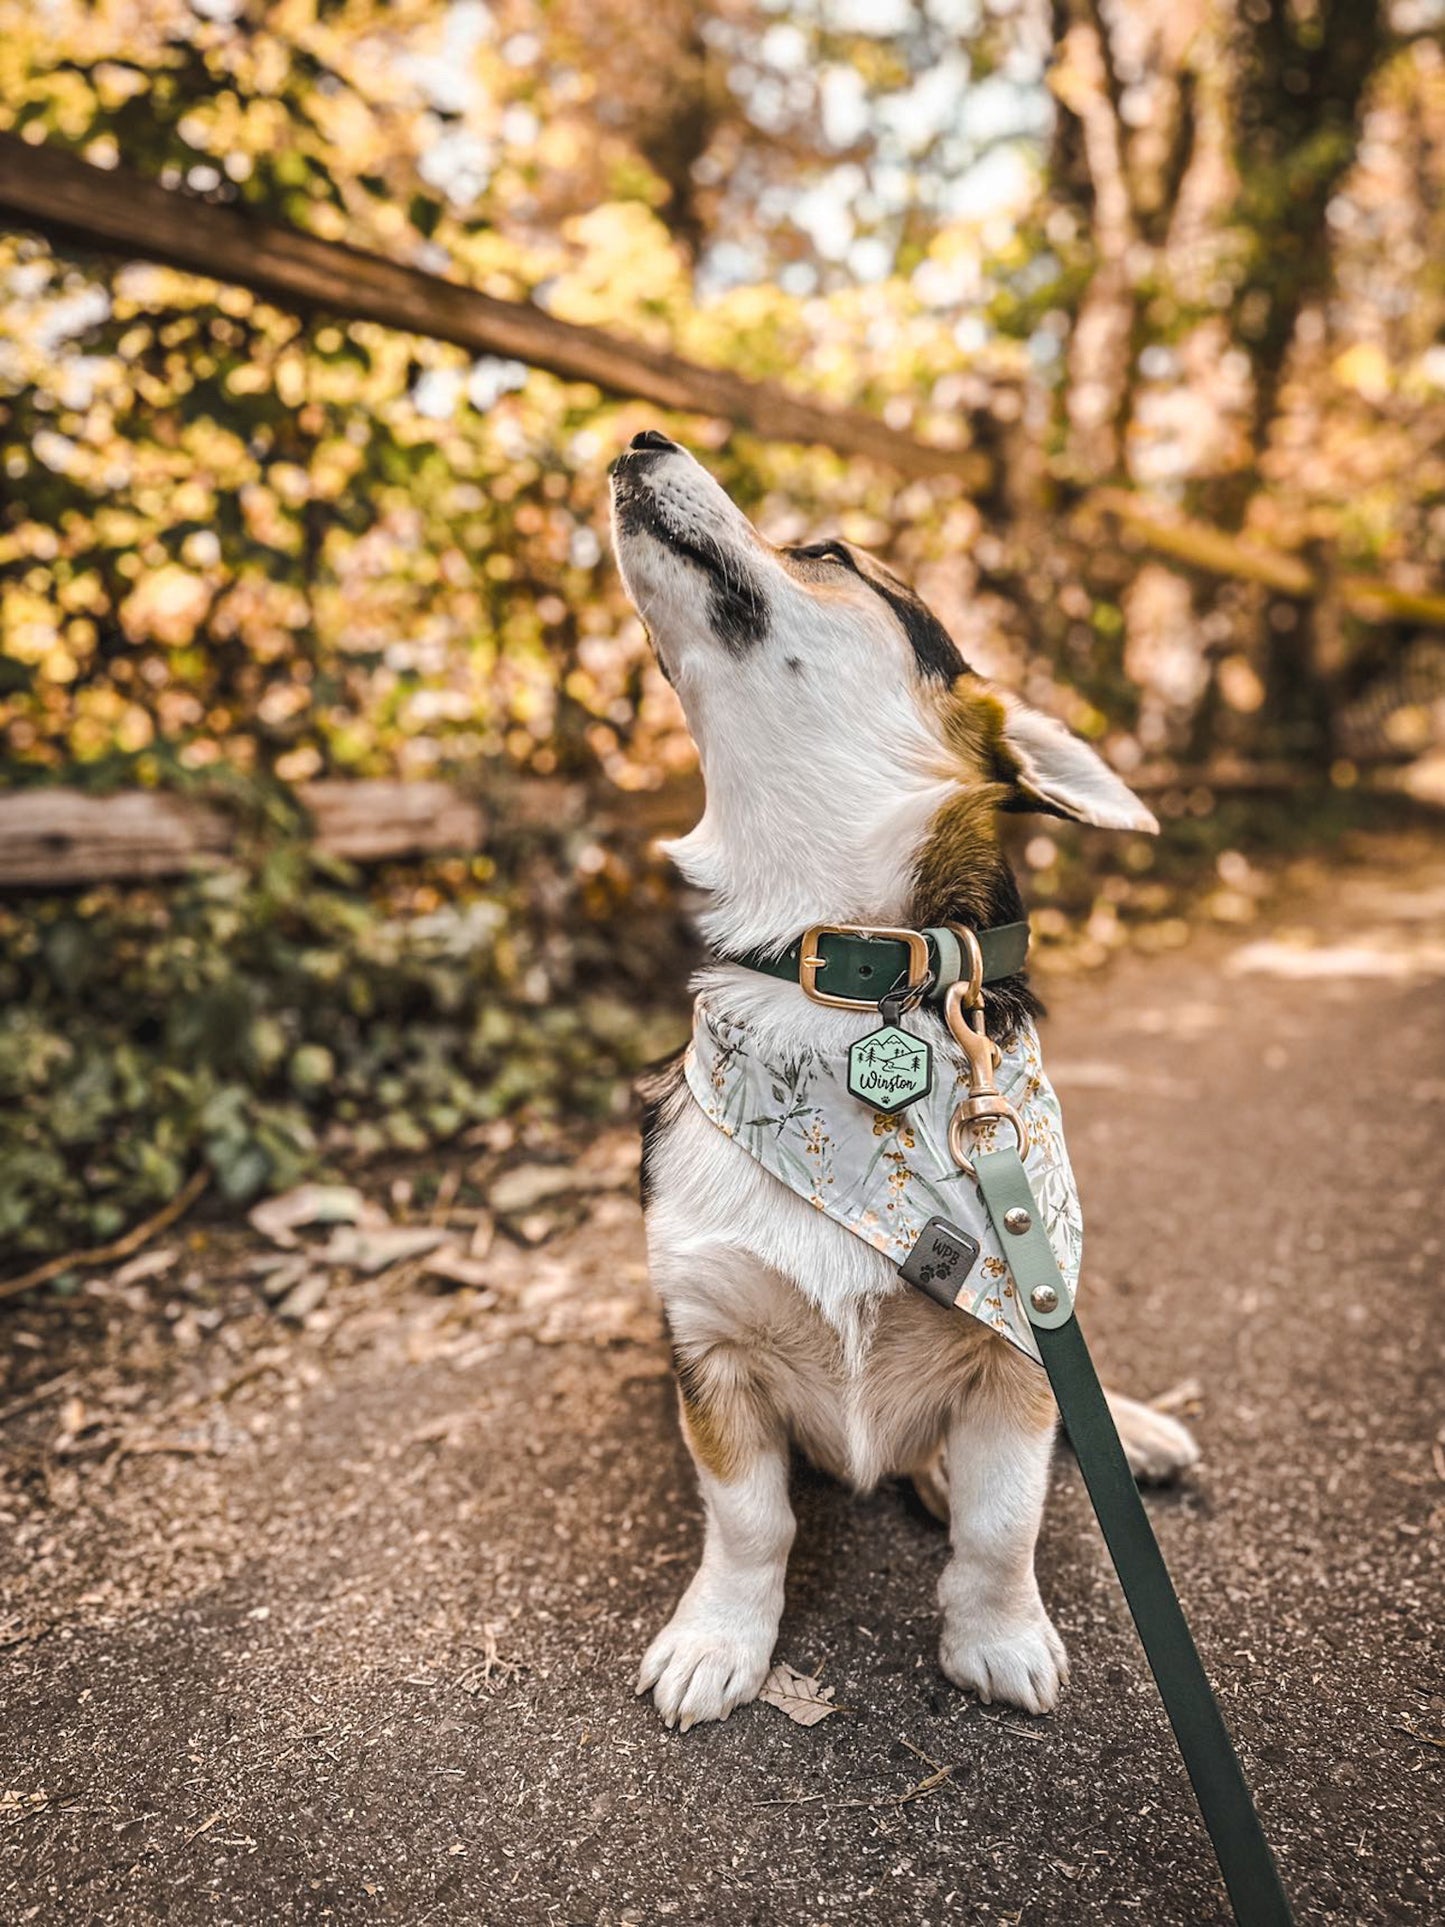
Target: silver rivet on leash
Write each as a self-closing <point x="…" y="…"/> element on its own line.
<point x="1017" y="1221"/>
<point x="1044" y="1298"/>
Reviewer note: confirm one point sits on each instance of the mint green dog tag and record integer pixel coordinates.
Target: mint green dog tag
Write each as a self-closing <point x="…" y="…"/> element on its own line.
<point x="890" y="1069"/>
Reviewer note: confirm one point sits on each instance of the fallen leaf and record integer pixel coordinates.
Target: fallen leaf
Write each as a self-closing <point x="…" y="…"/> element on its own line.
<point x="372" y="1250"/>
<point x="286" y="1275"/>
<point x="204" y="1827"/>
<point x="280" y="1218"/>
<point x="453" y="1269"/>
<point x="612" y="1160"/>
<point x="12" y="1800"/>
<point x="526" y="1186"/>
<point x="804" y="1699"/>
<point x="147" y="1264"/>
<point x="1187" y="1396"/>
<point x="304" y="1296"/>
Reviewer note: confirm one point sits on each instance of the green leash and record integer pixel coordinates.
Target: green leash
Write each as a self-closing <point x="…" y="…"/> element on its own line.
<point x="873" y="969"/>
<point x="1250" y="1875"/>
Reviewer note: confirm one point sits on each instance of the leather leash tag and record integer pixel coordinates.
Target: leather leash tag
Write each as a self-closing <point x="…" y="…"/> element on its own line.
<point x="940" y="1260"/>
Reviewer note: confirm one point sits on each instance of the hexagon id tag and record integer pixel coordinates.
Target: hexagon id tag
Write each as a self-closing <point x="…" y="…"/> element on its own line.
<point x="889" y="1069"/>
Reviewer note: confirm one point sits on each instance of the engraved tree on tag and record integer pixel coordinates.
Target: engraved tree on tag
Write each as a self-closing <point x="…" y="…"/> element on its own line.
<point x="889" y="1069"/>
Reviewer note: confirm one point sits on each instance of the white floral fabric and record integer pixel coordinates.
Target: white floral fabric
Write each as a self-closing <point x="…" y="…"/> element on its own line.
<point x="882" y="1177"/>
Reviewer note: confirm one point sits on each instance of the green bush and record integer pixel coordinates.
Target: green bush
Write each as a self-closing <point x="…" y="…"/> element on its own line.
<point x="261" y="1017"/>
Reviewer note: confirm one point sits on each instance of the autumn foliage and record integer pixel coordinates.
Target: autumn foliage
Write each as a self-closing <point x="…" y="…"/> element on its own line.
<point x="1184" y="252"/>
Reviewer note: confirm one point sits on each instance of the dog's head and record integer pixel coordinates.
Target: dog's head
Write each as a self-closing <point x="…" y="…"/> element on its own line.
<point x="834" y="716"/>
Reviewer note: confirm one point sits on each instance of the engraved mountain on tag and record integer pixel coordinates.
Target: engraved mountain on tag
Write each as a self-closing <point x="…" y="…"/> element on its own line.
<point x="889" y="1069"/>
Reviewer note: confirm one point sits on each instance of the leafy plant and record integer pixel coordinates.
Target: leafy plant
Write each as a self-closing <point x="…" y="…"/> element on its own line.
<point x="263" y="1017"/>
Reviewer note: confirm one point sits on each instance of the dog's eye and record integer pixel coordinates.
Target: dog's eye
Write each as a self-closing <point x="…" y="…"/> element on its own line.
<point x="827" y="552"/>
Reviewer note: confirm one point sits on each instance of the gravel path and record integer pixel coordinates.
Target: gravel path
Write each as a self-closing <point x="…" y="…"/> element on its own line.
<point x="337" y="1622"/>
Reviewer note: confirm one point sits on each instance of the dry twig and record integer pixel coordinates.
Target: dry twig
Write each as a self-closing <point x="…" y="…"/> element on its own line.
<point x="121" y="1247"/>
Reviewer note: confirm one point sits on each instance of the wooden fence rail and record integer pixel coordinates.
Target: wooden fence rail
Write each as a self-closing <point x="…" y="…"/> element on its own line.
<point x="58" y="837"/>
<point x="116" y="211"/>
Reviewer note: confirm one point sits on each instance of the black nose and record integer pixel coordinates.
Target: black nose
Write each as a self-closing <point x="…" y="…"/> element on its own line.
<point x="651" y="438"/>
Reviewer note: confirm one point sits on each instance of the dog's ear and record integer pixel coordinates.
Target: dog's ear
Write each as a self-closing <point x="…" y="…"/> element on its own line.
<point x="1054" y="770"/>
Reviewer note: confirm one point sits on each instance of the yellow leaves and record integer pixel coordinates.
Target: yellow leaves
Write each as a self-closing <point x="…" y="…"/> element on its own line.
<point x="263" y="517"/>
<point x="1073" y="75"/>
<point x="299" y="764"/>
<point x="248" y="378"/>
<point x="27" y="625"/>
<point x="332" y="467"/>
<point x="81" y="593"/>
<point x="201" y="549"/>
<point x="134" y="730"/>
<point x="115" y="84"/>
<point x="289" y="375"/>
<point x="328" y="222"/>
<point x="291" y="483"/>
<point x="627" y="266"/>
<point x="561" y="145"/>
<point x="103" y="720"/>
<point x="165" y="606"/>
<point x="193" y="501"/>
<point x="1240" y="685"/>
<point x="1364" y="368"/>
<point x="281" y="702"/>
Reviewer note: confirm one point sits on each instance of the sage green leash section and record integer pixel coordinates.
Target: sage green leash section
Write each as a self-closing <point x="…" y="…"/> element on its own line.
<point x="1250" y="1875"/>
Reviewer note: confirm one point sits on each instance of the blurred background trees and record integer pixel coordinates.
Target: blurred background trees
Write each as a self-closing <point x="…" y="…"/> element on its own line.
<point x="1172" y="273"/>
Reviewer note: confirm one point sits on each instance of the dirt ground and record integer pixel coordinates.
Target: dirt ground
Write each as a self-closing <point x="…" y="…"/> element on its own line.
<point x="333" y="1617"/>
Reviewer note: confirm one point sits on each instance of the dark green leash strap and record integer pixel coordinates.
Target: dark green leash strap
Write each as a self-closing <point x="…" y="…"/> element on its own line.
<point x="865" y="968"/>
<point x="1250" y="1875"/>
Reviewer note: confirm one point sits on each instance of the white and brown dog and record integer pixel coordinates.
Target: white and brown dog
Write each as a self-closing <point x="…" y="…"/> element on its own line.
<point x="854" y="770"/>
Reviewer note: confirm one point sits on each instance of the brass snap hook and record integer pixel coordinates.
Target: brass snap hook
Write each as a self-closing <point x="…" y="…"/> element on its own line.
<point x="965" y="1118"/>
<point x="985" y="1103"/>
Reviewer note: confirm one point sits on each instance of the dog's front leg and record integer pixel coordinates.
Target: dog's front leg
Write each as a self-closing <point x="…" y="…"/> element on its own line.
<point x="997" y="1639"/>
<point x="715" y="1651"/>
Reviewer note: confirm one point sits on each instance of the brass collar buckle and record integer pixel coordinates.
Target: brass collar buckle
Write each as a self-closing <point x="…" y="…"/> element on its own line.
<point x="811" y="960"/>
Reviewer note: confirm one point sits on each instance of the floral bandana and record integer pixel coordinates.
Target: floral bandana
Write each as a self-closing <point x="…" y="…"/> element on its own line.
<point x="881" y="1177"/>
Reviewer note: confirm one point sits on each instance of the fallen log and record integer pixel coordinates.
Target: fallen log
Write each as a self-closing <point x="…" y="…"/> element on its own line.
<point x="58" y="837"/>
<point x="369" y="820"/>
<point x="1199" y="545"/>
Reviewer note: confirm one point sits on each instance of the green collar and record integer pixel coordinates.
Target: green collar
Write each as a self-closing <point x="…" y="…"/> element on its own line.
<point x="859" y="967"/>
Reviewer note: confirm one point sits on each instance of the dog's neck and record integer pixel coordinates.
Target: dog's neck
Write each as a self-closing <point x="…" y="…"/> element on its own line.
<point x="806" y="824"/>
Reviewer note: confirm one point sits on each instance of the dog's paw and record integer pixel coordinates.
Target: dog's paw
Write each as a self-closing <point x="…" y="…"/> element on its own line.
<point x="1157" y="1447"/>
<point x="1019" y="1663"/>
<point x="703" y="1664"/>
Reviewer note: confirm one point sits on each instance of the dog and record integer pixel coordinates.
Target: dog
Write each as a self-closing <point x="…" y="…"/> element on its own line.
<point x="854" y="771"/>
